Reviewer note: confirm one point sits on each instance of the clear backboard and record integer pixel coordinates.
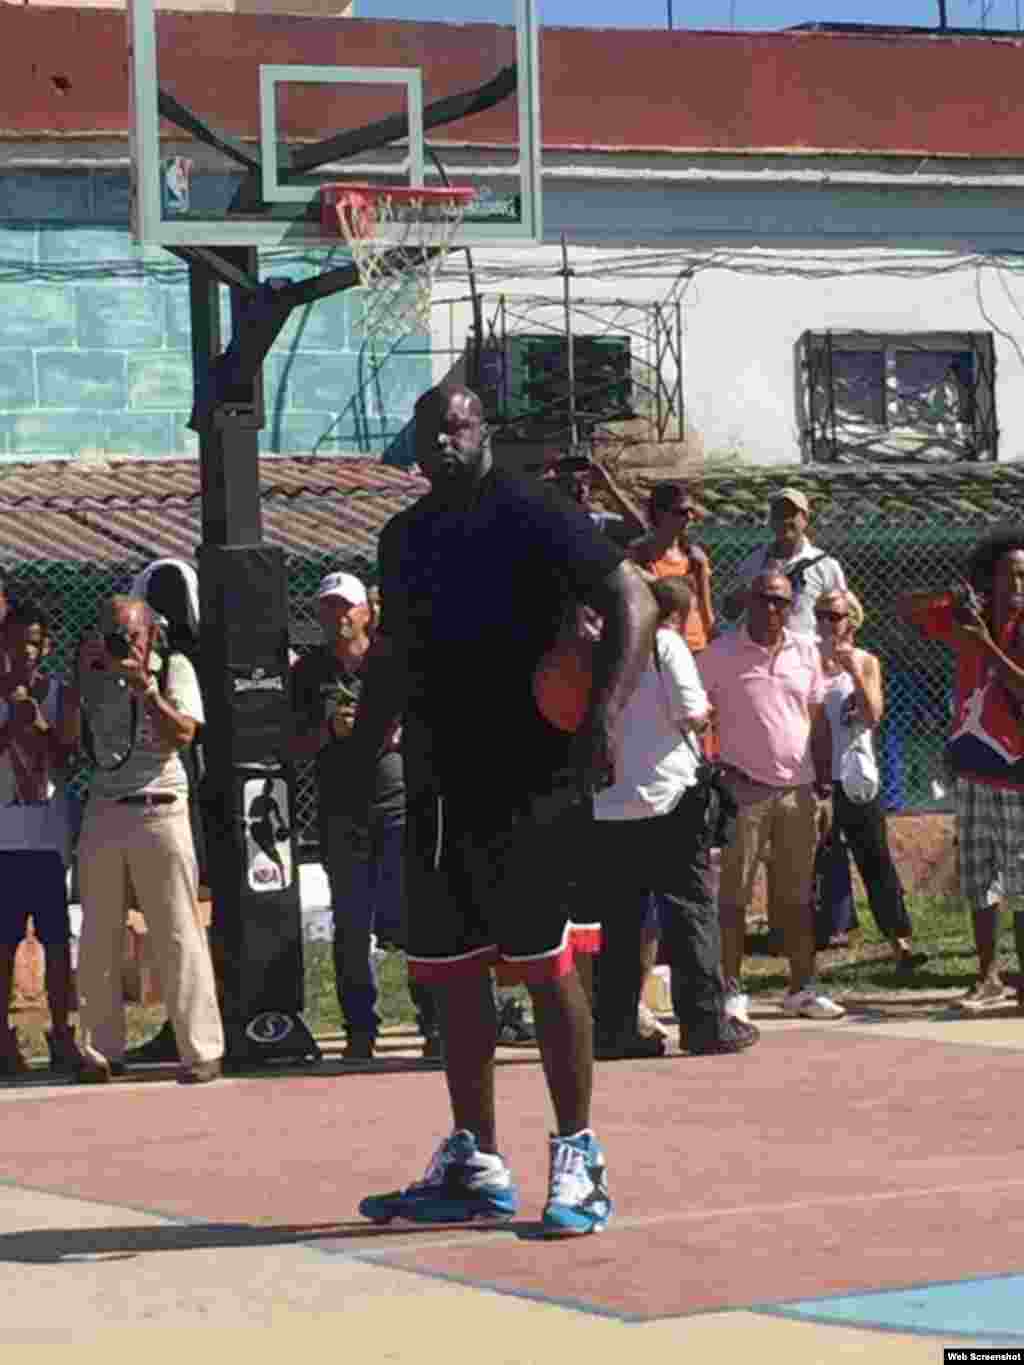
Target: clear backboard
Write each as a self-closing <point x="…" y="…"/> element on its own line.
<point x="240" y="120"/>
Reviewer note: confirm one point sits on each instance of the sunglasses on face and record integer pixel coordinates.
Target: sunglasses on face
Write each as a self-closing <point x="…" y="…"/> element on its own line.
<point x="832" y="616"/>
<point x="771" y="600"/>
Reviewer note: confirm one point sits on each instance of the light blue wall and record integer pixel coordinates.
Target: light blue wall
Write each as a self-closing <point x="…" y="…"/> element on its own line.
<point x="95" y="349"/>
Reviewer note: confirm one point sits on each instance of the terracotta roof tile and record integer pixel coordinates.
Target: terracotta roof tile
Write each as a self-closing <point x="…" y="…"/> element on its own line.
<point x="334" y="507"/>
<point x="128" y="510"/>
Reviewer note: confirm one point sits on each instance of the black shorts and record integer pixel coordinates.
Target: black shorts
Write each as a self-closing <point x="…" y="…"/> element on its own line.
<point x="34" y="884"/>
<point x="490" y="887"/>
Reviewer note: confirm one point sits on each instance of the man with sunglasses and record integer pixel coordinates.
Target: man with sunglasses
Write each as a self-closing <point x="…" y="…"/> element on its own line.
<point x="767" y="686"/>
<point x="666" y="551"/>
<point x="810" y="571"/>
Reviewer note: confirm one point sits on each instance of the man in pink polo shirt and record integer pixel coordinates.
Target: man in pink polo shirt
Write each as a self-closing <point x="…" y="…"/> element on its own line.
<point x="767" y="687"/>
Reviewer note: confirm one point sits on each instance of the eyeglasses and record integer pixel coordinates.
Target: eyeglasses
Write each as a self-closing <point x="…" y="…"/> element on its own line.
<point x="771" y="600"/>
<point x="832" y="616"/>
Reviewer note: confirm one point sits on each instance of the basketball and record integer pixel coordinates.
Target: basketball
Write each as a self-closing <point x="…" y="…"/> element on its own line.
<point x="562" y="682"/>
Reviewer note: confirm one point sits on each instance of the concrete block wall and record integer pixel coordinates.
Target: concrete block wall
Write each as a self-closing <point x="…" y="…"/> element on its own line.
<point x="95" y="345"/>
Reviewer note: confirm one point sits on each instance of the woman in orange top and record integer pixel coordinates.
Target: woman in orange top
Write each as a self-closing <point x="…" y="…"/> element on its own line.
<point x="667" y="552"/>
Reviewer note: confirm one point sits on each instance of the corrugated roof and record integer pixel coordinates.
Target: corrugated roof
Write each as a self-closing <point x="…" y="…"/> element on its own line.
<point x="130" y="510"/>
<point x="330" y="506"/>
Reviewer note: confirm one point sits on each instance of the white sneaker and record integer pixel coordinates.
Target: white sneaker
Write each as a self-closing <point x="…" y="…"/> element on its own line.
<point x="648" y="1025"/>
<point x="578" y="1200"/>
<point x="810" y="1003"/>
<point x="985" y="995"/>
<point x="736" y="1004"/>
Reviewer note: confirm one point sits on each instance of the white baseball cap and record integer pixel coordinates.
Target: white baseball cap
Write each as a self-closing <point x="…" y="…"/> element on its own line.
<point x="344" y="585"/>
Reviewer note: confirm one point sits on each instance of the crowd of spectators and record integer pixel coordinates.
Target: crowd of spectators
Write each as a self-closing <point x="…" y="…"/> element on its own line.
<point x="579" y="653"/>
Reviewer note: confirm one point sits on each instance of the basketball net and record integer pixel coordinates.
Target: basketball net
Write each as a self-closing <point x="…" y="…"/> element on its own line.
<point x="399" y="240"/>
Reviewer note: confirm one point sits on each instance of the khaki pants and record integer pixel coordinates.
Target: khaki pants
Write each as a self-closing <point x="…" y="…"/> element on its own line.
<point x="144" y="856"/>
<point x="787" y="820"/>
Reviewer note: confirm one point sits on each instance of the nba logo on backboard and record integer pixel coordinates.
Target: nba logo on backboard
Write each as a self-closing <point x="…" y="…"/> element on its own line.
<point x="175" y="183"/>
<point x="254" y="115"/>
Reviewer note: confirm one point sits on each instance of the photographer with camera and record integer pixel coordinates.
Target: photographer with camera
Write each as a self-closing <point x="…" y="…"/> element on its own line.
<point x="139" y="711"/>
<point x="982" y="621"/>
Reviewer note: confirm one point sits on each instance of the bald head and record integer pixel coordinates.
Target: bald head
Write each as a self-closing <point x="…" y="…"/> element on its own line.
<point x="451" y="438"/>
<point x="437" y="400"/>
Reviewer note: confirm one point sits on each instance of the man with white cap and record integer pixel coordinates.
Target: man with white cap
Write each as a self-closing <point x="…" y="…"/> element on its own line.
<point x="811" y="572"/>
<point x="366" y="883"/>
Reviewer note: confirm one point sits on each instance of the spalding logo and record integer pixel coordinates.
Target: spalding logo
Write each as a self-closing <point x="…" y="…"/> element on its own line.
<point x="258" y="681"/>
<point x="271" y="1027"/>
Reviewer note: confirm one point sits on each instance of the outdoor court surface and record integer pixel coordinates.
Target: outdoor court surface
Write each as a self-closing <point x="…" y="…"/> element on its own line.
<point x="842" y="1191"/>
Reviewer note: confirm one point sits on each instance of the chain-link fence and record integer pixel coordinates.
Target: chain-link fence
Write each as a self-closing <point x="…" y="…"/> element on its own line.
<point x="880" y="559"/>
<point x="71" y="595"/>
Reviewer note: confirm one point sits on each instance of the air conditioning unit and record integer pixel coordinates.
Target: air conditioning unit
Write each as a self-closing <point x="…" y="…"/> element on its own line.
<point x="526" y="387"/>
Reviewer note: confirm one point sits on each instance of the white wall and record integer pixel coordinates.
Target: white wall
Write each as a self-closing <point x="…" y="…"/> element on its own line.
<point x="880" y="259"/>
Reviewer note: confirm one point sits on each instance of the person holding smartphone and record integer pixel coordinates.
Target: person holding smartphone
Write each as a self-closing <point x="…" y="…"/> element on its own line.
<point x="982" y="622"/>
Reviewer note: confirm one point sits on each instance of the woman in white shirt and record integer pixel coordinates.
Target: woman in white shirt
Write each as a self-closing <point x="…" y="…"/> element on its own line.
<point x="650" y="836"/>
<point x="854" y="707"/>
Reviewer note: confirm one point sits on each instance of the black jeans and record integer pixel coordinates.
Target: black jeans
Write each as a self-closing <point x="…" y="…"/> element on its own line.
<point x="863" y="828"/>
<point x="626" y="860"/>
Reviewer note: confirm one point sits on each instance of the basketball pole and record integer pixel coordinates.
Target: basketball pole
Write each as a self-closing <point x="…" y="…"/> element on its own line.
<point x="256" y="933"/>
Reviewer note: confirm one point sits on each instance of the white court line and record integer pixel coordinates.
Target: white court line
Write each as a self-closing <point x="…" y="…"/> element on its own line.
<point x="700" y="1215"/>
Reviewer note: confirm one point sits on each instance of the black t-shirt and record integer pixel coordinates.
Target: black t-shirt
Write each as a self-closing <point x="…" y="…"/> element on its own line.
<point x="319" y="684"/>
<point x="477" y="595"/>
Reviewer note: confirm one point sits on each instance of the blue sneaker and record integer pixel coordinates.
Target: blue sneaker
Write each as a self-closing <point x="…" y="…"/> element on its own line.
<point x="461" y="1184"/>
<point x="578" y="1200"/>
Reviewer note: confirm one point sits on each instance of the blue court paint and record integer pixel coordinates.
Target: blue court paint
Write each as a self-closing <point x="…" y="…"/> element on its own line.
<point x="991" y="1308"/>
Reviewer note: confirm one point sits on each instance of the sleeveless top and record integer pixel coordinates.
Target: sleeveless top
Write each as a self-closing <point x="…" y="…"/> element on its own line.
<point x="849" y="730"/>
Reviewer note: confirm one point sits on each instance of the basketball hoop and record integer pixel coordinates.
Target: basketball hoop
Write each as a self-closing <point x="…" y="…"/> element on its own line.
<point x="399" y="237"/>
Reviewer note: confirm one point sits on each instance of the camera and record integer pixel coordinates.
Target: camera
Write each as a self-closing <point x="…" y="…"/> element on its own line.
<point x="572" y="464"/>
<point x="118" y="643"/>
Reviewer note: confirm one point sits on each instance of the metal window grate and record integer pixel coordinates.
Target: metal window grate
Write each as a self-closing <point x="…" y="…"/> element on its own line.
<point x="921" y="397"/>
